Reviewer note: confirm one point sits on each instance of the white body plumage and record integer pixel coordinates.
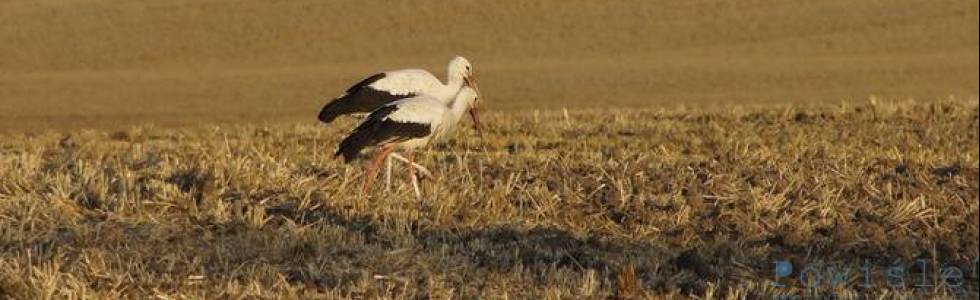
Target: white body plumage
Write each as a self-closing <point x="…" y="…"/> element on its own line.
<point x="387" y="87"/>
<point x="409" y="124"/>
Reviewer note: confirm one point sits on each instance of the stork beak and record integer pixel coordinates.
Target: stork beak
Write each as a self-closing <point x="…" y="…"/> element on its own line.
<point x="476" y="121"/>
<point x="471" y="82"/>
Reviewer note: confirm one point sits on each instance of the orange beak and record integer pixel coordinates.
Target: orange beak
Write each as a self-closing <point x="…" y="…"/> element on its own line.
<point x="476" y="121"/>
<point x="471" y="82"/>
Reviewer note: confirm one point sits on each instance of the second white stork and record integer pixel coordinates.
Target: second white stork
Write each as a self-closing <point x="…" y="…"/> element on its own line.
<point x="386" y="87"/>
<point x="407" y="125"/>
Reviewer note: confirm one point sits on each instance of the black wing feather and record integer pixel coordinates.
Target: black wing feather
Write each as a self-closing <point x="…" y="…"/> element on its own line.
<point x="359" y="98"/>
<point x="366" y="82"/>
<point x="377" y="130"/>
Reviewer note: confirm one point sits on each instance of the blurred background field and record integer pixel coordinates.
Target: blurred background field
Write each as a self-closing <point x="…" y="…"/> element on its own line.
<point x="68" y="64"/>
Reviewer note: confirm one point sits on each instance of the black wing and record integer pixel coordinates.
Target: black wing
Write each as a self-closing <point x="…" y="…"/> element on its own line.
<point x="377" y="130"/>
<point x="359" y="98"/>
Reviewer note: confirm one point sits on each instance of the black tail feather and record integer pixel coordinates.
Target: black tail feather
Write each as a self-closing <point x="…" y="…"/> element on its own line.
<point x="352" y="145"/>
<point x="359" y="98"/>
<point x="333" y="110"/>
<point x="360" y="101"/>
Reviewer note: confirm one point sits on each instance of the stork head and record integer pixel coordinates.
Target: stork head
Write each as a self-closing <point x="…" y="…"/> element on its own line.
<point x="461" y="67"/>
<point x="471" y="98"/>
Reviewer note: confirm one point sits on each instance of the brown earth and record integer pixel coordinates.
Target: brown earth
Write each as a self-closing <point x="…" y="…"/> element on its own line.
<point x="67" y="64"/>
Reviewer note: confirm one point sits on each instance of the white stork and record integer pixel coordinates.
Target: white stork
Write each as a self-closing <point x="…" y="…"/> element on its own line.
<point x="383" y="88"/>
<point x="407" y="124"/>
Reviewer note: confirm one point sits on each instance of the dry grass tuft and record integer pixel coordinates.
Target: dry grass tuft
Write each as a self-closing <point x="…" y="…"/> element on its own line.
<point x="627" y="283"/>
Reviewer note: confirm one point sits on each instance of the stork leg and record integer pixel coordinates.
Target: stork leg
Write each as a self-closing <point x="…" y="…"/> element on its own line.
<point x="388" y="173"/>
<point x="411" y="164"/>
<point x="413" y="175"/>
<point x="373" y="169"/>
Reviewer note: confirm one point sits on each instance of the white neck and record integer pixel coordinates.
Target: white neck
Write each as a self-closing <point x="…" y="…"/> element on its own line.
<point x="454" y="81"/>
<point x="459" y="107"/>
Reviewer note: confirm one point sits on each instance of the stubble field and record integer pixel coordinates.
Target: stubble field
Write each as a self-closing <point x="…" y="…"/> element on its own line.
<point x="589" y="204"/>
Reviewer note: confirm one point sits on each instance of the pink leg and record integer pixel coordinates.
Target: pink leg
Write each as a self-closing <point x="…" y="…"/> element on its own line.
<point x="373" y="169"/>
